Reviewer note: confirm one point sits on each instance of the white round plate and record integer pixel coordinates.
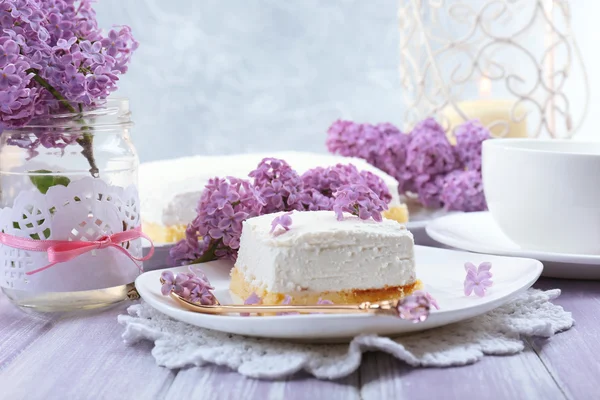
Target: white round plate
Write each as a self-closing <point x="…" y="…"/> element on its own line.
<point x="420" y="217"/>
<point x="441" y="270"/>
<point x="479" y="233"/>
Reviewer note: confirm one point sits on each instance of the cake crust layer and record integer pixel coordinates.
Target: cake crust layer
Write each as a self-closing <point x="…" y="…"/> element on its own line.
<point x="241" y="289"/>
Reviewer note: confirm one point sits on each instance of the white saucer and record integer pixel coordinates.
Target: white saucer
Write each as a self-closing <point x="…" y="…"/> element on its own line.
<point x="441" y="270"/>
<point x="479" y="233"/>
<point x="419" y="217"/>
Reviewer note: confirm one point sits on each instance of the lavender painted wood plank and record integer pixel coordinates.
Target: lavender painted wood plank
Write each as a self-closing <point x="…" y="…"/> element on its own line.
<point x="521" y="376"/>
<point x="573" y="356"/>
<point x="18" y="330"/>
<point x="213" y="382"/>
<point x="85" y="357"/>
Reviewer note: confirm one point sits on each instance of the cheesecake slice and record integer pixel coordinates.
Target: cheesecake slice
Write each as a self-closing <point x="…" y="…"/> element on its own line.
<point x="319" y="257"/>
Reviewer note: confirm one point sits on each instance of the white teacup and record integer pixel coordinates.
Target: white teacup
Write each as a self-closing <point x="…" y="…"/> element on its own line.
<point x="545" y="194"/>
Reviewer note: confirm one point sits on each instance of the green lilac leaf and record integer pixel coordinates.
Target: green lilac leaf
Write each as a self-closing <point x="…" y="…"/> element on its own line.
<point x="45" y="182"/>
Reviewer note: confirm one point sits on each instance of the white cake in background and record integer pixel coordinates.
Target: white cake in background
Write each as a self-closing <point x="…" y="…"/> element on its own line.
<point x="170" y="189"/>
<point x="346" y="261"/>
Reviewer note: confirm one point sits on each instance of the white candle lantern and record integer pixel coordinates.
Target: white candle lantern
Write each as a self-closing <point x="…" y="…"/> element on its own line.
<point x="512" y="64"/>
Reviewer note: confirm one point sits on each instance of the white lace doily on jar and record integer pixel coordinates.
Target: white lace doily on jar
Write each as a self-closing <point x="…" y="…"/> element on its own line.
<point x="85" y="210"/>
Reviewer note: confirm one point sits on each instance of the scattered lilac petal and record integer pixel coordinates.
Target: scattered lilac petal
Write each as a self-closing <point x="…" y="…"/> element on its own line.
<point x="283" y="220"/>
<point x="478" y="279"/>
<point x="415" y="307"/>
<point x="253" y="299"/>
<point x="431" y="299"/>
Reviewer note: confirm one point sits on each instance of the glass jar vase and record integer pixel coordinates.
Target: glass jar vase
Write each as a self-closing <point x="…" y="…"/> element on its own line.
<point x="68" y="184"/>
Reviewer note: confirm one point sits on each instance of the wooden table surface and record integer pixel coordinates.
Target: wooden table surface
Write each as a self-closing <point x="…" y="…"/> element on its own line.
<point x="75" y="357"/>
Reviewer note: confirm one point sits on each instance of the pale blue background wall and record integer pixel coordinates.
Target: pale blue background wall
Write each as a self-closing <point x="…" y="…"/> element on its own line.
<point x="215" y="76"/>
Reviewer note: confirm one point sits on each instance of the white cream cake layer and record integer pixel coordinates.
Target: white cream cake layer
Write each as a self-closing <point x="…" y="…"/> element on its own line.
<point x="320" y="253"/>
<point x="170" y="189"/>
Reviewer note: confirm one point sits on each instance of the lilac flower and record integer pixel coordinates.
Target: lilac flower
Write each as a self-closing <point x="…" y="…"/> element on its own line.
<point x="231" y="219"/>
<point x="223" y="206"/>
<point x="222" y="196"/>
<point x="429" y="190"/>
<point x="463" y="191"/>
<point x="283" y="220"/>
<point x="192" y="286"/>
<point x="287" y="300"/>
<point x="327" y="181"/>
<point x="429" y="152"/>
<point x="57" y="26"/>
<point x="469" y="138"/>
<point x="59" y="43"/>
<point x="314" y="200"/>
<point x="278" y="184"/>
<point x="377" y="185"/>
<point x="478" y="279"/>
<point x="9" y="52"/>
<point x="382" y="145"/>
<point x="16" y="97"/>
<point x="415" y="307"/>
<point x="65" y="45"/>
<point x="92" y="52"/>
<point x="189" y="249"/>
<point x="9" y="77"/>
<point x="114" y="43"/>
<point x="168" y="283"/>
<point x="359" y="200"/>
<point x="324" y="302"/>
<point x="429" y="297"/>
<point x="253" y="299"/>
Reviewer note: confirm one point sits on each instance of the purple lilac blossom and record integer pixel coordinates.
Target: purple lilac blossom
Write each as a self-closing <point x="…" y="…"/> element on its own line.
<point x="382" y="145"/>
<point x="359" y="200"/>
<point x="193" y="286"/>
<point x="429" y="297"/>
<point x="278" y="184"/>
<point x="430" y="191"/>
<point x="429" y="152"/>
<point x="478" y="279"/>
<point x="223" y="206"/>
<point x="419" y="161"/>
<point x="253" y="299"/>
<point x="168" y="283"/>
<point x="287" y="300"/>
<point x="415" y="307"/>
<point x="283" y="220"/>
<point x="313" y="200"/>
<point x="53" y="50"/>
<point x="328" y="180"/>
<point x="469" y="138"/>
<point x="463" y="191"/>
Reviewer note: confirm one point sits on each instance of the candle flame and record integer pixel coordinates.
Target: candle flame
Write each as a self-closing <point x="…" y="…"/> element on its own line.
<point x="485" y="87"/>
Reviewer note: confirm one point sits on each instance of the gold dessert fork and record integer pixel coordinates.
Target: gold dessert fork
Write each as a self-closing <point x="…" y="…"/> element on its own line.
<point x="413" y="308"/>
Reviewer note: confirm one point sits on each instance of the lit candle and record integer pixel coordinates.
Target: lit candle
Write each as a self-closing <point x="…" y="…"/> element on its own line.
<point x="503" y="117"/>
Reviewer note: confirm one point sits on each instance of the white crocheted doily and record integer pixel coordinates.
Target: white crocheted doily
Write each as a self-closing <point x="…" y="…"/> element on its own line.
<point x="500" y="331"/>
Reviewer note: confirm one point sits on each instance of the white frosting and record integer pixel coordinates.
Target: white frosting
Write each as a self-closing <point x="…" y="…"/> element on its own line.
<point x="320" y="253"/>
<point x="170" y="189"/>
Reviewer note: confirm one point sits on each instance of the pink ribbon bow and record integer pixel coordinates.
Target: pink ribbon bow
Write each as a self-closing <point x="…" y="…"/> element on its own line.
<point x="60" y="251"/>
